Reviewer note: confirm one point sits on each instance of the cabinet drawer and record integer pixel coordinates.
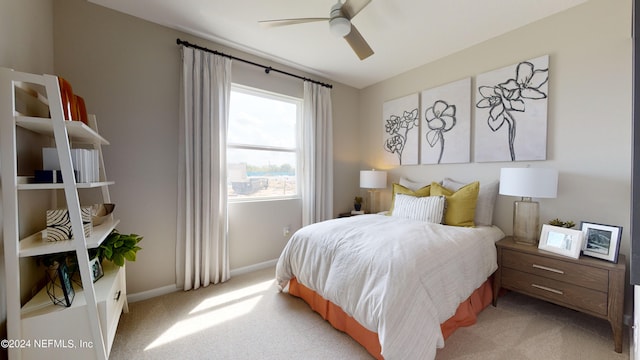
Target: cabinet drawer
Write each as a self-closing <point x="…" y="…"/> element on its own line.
<point x="565" y="271"/>
<point x="555" y="291"/>
<point x="110" y="307"/>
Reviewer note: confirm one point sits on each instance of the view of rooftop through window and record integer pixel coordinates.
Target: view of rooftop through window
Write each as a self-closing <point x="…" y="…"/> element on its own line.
<point x="262" y="153"/>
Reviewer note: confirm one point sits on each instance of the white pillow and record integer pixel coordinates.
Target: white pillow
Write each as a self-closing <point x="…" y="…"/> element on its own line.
<point x="427" y="208"/>
<point x="486" y="200"/>
<point x="412" y="185"/>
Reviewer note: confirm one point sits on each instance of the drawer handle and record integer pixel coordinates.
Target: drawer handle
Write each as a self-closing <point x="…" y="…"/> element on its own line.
<point x="547" y="289"/>
<point x="117" y="297"/>
<point x="536" y="266"/>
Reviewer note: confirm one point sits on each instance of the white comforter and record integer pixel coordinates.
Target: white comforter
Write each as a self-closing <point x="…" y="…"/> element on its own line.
<point x="399" y="278"/>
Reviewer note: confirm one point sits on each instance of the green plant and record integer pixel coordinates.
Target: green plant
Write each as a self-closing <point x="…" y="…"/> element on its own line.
<point x="119" y="247"/>
<point x="566" y="224"/>
<point x="357" y="200"/>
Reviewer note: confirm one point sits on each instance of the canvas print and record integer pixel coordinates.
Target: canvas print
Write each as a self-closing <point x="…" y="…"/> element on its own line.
<point x="401" y="130"/>
<point x="446" y="123"/>
<point x="511" y="112"/>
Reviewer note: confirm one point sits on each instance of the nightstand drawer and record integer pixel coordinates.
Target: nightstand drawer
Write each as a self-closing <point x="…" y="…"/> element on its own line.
<point x="565" y="271"/>
<point x="557" y="291"/>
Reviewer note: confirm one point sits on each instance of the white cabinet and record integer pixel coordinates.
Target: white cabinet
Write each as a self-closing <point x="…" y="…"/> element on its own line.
<point x="40" y="329"/>
<point x="49" y="323"/>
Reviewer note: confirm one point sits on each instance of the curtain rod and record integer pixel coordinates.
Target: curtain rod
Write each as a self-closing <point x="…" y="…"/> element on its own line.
<point x="267" y="69"/>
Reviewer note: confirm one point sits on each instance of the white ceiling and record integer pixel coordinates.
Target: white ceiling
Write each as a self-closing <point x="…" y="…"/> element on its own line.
<point x="403" y="33"/>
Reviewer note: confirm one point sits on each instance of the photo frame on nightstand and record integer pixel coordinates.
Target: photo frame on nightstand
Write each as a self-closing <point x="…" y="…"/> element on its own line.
<point x="560" y="240"/>
<point x="601" y="241"/>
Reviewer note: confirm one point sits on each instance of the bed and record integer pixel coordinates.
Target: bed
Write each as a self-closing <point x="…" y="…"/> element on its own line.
<point x="396" y="284"/>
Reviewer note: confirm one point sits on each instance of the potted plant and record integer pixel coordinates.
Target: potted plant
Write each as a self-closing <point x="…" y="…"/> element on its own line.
<point x="119" y="247"/>
<point x="565" y="224"/>
<point x="357" y="203"/>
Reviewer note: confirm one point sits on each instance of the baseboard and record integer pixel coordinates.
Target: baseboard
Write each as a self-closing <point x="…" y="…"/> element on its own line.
<point x="255" y="267"/>
<point x="144" y="295"/>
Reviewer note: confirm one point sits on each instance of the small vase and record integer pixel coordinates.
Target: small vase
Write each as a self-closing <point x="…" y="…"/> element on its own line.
<point x="357" y="206"/>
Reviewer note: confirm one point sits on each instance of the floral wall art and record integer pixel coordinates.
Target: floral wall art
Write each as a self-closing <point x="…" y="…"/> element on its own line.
<point x="401" y="130"/>
<point x="511" y="112"/>
<point x="446" y="123"/>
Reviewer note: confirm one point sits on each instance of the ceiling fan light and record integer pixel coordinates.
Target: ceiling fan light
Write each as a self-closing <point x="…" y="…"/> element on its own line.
<point x="340" y="26"/>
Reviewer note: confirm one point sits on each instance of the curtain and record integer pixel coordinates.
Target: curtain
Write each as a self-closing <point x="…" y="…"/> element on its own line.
<point x="317" y="186"/>
<point x="202" y="249"/>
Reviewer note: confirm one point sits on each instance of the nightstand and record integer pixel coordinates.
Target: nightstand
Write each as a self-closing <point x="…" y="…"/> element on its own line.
<point x="347" y="214"/>
<point x="588" y="285"/>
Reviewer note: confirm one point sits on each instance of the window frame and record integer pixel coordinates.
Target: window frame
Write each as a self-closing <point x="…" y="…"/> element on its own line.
<point x="297" y="149"/>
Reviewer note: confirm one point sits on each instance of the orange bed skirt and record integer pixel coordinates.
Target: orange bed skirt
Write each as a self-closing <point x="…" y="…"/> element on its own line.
<point x="465" y="315"/>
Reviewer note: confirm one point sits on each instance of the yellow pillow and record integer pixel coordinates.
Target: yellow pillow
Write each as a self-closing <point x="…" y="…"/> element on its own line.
<point x="399" y="189"/>
<point x="461" y="205"/>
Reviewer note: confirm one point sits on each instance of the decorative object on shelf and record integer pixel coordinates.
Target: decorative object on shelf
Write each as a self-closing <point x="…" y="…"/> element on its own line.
<point x="119" y="247"/>
<point x="69" y="108"/>
<point x="566" y="224"/>
<point x="96" y="269"/>
<point x="85" y="162"/>
<point x="357" y="203"/>
<point x="373" y="180"/>
<point x="528" y="183"/>
<point x="100" y="212"/>
<point x="561" y="240"/>
<point x="59" y="287"/>
<point x="81" y="109"/>
<point x="59" y="224"/>
<point x="601" y="241"/>
<point x="50" y="176"/>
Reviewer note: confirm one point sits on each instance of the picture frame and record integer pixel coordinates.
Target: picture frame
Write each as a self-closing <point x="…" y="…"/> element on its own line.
<point x="561" y="241"/>
<point x="601" y="241"/>
<point x="65" y="282"/>
<point x="96" y="269"/>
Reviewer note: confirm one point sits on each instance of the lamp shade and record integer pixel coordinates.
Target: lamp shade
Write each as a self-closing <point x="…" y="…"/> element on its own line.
<point x="529" y="182"/>
<point x="372" y="179"/>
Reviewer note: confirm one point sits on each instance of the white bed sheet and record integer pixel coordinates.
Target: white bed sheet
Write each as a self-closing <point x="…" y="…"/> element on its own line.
<point x="397" y="277"/>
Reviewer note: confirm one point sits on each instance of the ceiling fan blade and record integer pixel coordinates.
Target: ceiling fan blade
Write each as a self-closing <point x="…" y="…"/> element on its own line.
<point x="358" y="44"/>
<point x="351" y="8"/>
<point x="284" y="22"/>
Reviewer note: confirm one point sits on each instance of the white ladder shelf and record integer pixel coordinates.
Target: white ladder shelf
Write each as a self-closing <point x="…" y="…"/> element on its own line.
<point x="63" y="132"/>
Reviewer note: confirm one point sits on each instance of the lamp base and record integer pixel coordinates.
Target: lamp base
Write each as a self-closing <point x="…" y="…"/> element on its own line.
<point x="373" y="208"/>
<point x="526" y="222"/>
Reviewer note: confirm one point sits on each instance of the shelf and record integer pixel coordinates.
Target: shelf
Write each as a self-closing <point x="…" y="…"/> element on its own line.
<point x="25" y="184"/>
<point x="30" y="101"/>
<point x="35" y="244"/>
<point x="41" y="303"/>
<point x="33" y="104"/>
<point x="77" y="130"/>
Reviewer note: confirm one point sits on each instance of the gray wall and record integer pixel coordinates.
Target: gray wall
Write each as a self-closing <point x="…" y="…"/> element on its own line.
<point x="127" y="70"/>
<point x="589" y="112"/>
<point x="26" y="44"/>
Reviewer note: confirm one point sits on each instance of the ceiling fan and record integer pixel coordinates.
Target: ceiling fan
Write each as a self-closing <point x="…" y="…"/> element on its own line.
<point x="339" y="24"/>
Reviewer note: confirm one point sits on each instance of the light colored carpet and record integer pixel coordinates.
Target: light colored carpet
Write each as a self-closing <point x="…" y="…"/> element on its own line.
<point x="246" y="318"/>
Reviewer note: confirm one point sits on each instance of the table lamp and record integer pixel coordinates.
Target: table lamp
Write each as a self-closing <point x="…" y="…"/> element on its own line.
<point x="528" y="183"/>
<point x="373" y="180"/>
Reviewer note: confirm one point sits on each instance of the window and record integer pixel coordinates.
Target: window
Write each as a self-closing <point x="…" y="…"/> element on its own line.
<point x="262" y="146"/>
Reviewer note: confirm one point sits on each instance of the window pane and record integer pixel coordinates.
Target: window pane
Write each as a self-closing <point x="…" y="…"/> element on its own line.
<point x="259" y="120"/>
<point x="261" y="173"/>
